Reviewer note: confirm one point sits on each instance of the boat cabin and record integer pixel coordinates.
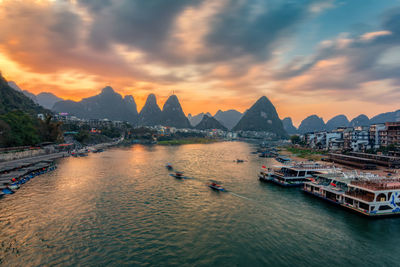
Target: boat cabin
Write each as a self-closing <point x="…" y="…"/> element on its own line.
<point x="298" y="174"/>
<point x="379" y="196"/>
<point x="328" y="186"/>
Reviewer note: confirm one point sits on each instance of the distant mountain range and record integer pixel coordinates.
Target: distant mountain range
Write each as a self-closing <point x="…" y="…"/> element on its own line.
<point x="106" y="105"/>
<point x="314" y="123"/>
<point x="262" y="116"/>
<point x="228" y="118"/>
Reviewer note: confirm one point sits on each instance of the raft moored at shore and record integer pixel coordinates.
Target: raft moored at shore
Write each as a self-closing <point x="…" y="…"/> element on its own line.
<point x="12" y="177"/>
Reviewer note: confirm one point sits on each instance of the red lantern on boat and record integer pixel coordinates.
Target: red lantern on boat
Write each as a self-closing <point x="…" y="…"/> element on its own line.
<point x="333" y="184"/>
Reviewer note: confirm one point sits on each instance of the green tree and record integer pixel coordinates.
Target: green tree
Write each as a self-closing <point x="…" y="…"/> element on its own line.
<point x="50" y="131"/>
<point x="21" y="131"/>
<point x="82" y="136"/>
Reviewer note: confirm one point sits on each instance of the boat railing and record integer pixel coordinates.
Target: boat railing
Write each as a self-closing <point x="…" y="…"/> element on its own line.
<point x="362" y="196"/>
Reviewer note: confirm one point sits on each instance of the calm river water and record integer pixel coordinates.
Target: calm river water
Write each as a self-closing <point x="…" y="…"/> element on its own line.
<point x="121" y="207"/>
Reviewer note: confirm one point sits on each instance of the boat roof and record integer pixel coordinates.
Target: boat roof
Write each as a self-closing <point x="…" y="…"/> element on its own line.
<point x="378" y="184"/>
<point x="309" y="166"/>
<point x="336" y="176"/>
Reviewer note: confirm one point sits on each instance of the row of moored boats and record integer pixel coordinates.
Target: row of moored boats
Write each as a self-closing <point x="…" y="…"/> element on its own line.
<point x="367" y="194"/>
<point x="13" y="177"/>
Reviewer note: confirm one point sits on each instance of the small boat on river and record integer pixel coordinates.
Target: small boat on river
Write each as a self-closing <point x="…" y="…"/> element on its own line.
<point x="216" y="186"/>
<point x="178" y="175"/>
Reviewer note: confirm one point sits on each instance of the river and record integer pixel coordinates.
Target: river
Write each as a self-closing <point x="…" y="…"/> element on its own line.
<point x="121" y="207"/>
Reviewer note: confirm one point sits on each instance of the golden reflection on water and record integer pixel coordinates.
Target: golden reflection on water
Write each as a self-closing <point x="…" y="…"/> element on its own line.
<point x="121" y="207"/>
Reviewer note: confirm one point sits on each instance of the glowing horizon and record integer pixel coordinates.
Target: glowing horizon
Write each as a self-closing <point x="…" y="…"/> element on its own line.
<point x="214" y="55"/>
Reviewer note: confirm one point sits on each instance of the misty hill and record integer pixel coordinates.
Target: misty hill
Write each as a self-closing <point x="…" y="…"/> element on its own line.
<point x="150" y="115"/>
<point x="47" y="99"/>
<point x="14" y="86"/>
<point x="194" y="120"/>
<point x="262" y="116"/>
<point x="312" y="123"/>
<point x="11" y="99"/>
<point x="361" y="120"/>
<point x="208" y="123"/>
<point x="172" y="114"/>
<point x="337" y="121"/>
<point x="106" y="105"/>
<point x="288" y="125"/>
<point x="228" y="118"/>
<point x="386" y="117"/>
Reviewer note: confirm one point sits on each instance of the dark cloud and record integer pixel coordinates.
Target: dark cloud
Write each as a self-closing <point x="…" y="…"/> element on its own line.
<point x="363" y="59"/>
<point x="50" y="38"/>
<point x="241" y="28"/>
<point x="144" y="25"/>
<point x="254" y="28"/>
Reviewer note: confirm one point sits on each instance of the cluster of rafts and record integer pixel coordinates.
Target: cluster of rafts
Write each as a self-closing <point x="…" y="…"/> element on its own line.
<point x="365" y="193"/>
<point x="12" y="177"/>
<point x="215" y="185"/>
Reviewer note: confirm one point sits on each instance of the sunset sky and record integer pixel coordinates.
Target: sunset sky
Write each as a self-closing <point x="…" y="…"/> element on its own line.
<point x="308" y="57"/>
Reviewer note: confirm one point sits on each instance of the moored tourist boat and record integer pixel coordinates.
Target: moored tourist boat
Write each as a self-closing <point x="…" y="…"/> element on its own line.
<point x="268" y="154"/>
<point x="282" y="159"/>
<point x="374" y="197"/>
<point x="265" y="174"/>
<point x="296" y="174"/>
<point x="329" y="186"/>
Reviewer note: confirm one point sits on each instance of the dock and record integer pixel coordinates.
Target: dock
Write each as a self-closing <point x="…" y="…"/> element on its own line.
<point x="381" y="160"/>
<point x="353" y="161"/>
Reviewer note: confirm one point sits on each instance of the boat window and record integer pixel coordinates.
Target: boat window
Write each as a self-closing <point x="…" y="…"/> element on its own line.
<point x="302" y="173"/>
<point x="349" y="201"/>
<point x="372" y="208"/>
<point x="389" y="195"/>
<point x="363" y="206"/>
<point x="385" y="207"/>
<point x="381" y="197"/>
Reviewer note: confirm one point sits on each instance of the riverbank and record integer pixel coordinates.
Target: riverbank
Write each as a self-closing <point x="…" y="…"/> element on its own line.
<point x="301" y="153"/>
<point x="186" y="141"/>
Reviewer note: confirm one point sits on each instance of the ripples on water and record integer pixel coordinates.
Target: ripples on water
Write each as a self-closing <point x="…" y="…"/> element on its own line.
<point x="121" y="207"/>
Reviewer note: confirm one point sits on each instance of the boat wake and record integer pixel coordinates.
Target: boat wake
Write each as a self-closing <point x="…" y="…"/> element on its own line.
<point x="240" y="196"/>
